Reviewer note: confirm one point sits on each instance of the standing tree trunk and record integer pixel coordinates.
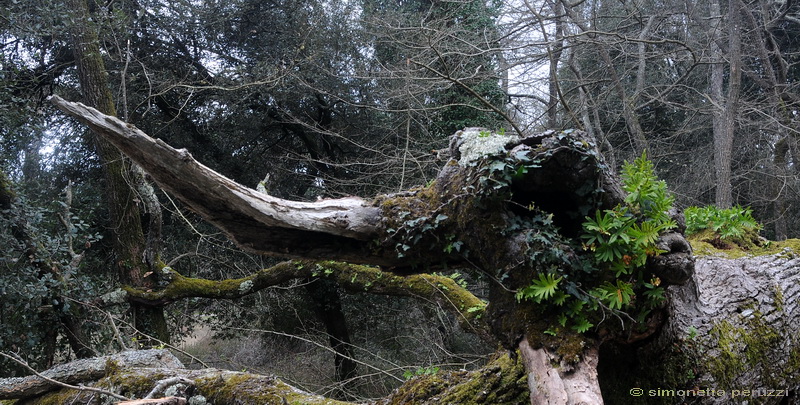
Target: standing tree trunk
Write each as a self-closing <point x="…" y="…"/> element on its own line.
<point x="122" y="179"/>
<point x="724" y="117"/>
<point x="553" y="90"/>
<point x="638" y="140"/>
<point x="328" y="308"/>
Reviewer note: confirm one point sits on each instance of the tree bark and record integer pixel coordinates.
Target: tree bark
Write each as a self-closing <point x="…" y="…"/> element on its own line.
<point x="731" y="328"/>
<point x="565" y="385"/>
<point x="121" y="177"/>
<point x="84" y="370"/>
<point x="726" y="109"/>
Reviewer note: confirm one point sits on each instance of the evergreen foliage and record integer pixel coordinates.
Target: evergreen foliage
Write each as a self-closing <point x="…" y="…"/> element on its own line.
<point x="619" y="241"/>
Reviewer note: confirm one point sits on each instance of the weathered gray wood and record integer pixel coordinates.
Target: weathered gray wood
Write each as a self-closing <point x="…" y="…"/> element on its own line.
<point x="331" y="229"/>
<point x="733" y="309"/>
<point x="576" y="384"/>
<point x="732" y="329"/>
<point x="80" y="371"/>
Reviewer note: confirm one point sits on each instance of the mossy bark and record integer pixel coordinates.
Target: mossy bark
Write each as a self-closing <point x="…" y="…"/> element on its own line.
<point x="732" y="330"/>
<point x="501" y="382"/>
<point x="468" y="308"/>
<point x="130" y="247"/>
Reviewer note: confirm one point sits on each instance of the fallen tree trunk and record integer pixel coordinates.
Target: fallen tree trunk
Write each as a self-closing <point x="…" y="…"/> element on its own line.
<point x="731" y="335"/>
<point x="83" y="370"/>
<point x="499" y="206"/>
<point x="501" y="381"/>
<point x="328" y="229"/>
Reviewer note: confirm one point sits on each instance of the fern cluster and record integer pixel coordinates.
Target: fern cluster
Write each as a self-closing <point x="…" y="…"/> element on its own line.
<point x="618" y="242"/>
<point x="726" y="223"/>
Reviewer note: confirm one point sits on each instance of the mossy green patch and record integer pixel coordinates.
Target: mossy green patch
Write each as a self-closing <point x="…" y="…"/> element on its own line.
<point x="566" y="343"/>
<point x="244" y="388"/>
<point x="502" y="381"/>
<point x="60" y="397"/>
<point x="439" y="288"/>
<point x="744" y="346"/>
<point x="131" y="384"/>
<point x="706" y="243"/>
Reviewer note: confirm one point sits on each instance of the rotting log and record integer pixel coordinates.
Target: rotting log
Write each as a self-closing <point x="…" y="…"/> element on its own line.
<point x="83" y="370"/>
<point x="562" y="173"/>
<point x="501" y="381"/>
<point x="732" y="334"/>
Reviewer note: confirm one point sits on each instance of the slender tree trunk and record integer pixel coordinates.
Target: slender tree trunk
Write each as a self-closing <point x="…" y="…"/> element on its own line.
<point x="722" y="176"/>
<point x="724" y="118"/>
<point x="779" y="178"/>
<point x="638" y="139"/>
<point x="328" y="306"/>
<point x="555" y="56"/>
<point x="121" y="178"/>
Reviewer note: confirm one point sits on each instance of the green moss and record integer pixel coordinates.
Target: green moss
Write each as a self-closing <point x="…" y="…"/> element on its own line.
<point x="752" y="346"/>
<point x="564" y="342"/>
<point x="180" y="286"/>
<point x="778" y="298"/>
<point x="235" y="388"/>
<point x="706" y="243"/>
<point x="502" y="381"/>
<point x="60" y="397"/>
<point x="129" y="384"/>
